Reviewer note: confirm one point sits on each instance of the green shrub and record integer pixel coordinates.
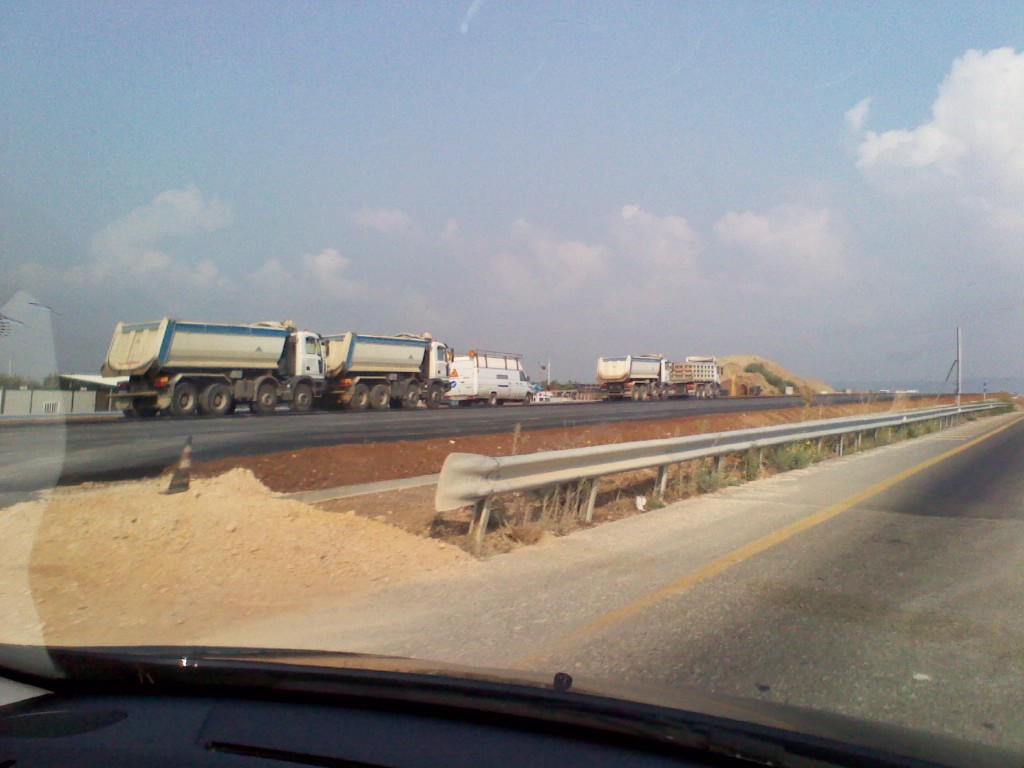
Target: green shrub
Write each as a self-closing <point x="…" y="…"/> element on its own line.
<point x="793" y="456"/>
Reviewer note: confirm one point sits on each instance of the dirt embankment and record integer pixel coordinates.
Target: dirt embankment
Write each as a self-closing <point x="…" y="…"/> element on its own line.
<point x="771" y="378"/>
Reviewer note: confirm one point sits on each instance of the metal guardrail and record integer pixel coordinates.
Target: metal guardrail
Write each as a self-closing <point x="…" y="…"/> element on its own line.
<point x="469" y="479"/>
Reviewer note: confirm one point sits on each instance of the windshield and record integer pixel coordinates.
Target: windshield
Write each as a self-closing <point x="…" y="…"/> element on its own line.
<point x="616" y="223"/>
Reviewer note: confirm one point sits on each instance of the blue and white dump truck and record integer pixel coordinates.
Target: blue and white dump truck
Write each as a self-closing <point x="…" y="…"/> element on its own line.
<point x="366" y="371"/>
<point x="184" y="368"/>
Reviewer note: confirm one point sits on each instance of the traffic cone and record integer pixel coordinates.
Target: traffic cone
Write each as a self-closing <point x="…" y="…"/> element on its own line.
<point x="180" y="478"/>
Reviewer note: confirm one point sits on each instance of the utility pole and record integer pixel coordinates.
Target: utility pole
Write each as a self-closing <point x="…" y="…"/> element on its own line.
<point x="959" y="367"/>
<point x="549" y="370"/>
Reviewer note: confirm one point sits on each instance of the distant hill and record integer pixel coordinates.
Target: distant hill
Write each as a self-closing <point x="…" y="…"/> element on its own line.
<point x="771" y="377"/>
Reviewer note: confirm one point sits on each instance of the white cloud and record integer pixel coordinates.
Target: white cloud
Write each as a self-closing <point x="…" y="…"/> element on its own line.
<point x="327" y="271"/>
<point x="971" y="152"/>
<point x="537" y="266"/>
<point x="858" y="115"/>
<point x="789" y="241"/>
<point x="664" y="244"/>
<point x="388" y="221"/>
<point x="130" y="242"/>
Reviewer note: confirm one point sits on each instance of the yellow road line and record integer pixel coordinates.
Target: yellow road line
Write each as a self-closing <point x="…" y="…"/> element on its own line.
<point x="745" y="552"/>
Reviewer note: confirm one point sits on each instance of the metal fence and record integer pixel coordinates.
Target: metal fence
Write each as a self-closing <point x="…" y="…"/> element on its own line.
<point x="51" y="402"/>
<point x="473" y="480"/>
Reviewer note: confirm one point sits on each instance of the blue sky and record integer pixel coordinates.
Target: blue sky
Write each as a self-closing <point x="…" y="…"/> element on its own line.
<point x="835" y="186"/>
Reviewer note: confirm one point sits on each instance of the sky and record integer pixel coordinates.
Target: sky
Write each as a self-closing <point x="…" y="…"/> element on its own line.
<point x="835" y="186"/>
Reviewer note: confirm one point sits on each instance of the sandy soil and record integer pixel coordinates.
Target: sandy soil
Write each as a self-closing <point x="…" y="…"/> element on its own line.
<point x="127" y="563"/>
<point x="124" y="562"/>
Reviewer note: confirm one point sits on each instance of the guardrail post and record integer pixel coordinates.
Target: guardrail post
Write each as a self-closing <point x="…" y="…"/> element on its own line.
<point x="593" y="499"/>
<point x="719" y="463"/>
<point x="659" y="487"/>
<point x="481" y="516"/>
<point x="842" y="444"/>
<point x="859" y="436"/>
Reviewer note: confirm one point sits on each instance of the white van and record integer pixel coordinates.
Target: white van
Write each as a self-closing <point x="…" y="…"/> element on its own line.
<point x="494" y="378"/>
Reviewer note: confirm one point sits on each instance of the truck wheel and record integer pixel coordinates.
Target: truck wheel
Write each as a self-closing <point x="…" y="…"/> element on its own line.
<point x="380" y="397"/>
<point x="302" y="398"/>
<point x="493" y="399"/>
<point x="635" y="394"/>
<point x="185" y="400"/>
<point x="528" y="399"/>
<point x="435" y="396"/>
<point x="412" y="396"/>
<point x="216" y="400"/>
<point x="360" y="398"/>
<point x="266" y="399"/>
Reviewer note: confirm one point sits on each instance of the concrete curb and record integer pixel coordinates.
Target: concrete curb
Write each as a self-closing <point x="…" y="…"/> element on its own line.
<point x="347" y="491"/>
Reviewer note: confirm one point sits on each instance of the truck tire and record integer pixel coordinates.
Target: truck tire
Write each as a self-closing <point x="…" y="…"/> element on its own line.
<point x="302" y="398"/>
<point x="266" y="399"/>
<point x="216" y="399"/>
<point x="635" y="394"/>
<point x="413" y="394"/>
<point x="435" y="396"/>
<point x="380" y="397"/>
<point x="528" y="399"/>
<point x="493" y="399"/>
<point x="360" y="398"/>
<point x="184" y="400"/>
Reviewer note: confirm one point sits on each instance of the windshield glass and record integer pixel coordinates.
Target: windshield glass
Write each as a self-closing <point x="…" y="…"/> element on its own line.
<point x="246" y="250"/>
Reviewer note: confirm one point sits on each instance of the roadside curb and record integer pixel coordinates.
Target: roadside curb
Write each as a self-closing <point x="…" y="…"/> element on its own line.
<point x="347" y="491"/>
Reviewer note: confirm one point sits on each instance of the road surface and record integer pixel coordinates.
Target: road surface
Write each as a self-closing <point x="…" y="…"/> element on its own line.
<point x="36" y="455"/>
<point x="884" y="585"/>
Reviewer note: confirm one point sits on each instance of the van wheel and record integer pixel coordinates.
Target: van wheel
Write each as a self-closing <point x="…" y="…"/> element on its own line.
<point x="493" y="399"/>
<point x="380" y="397"/>
<point x="529" y="398"/>
<point x="185" y="399"/>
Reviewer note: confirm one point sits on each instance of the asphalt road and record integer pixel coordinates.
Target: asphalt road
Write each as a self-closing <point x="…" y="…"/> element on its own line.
<point x="884" y="585"/>
<point x="36" y="455"/>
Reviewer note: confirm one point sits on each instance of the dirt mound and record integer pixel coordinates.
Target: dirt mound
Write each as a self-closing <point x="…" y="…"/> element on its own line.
<point x="127" y="563"/>
<point x="736" y="377"/>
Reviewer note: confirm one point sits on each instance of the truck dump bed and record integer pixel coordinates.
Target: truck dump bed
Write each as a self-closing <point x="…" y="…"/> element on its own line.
<point x="170" y="345"/>
<point x="355" y="353"/>
<point x="701" y="370"/>
<point x="613" y="369"/>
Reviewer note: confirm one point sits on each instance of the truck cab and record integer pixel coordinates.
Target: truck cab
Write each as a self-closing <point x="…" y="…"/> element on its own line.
<point x="303" y="356"/>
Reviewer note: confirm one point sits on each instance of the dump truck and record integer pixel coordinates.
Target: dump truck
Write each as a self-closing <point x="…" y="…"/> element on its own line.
<point x="369" y="371"/>
<point x="635" y="377"/>
<point x="184" y="368"/>
<point x="694" y="377"/>
<point x="494" y="378"/>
